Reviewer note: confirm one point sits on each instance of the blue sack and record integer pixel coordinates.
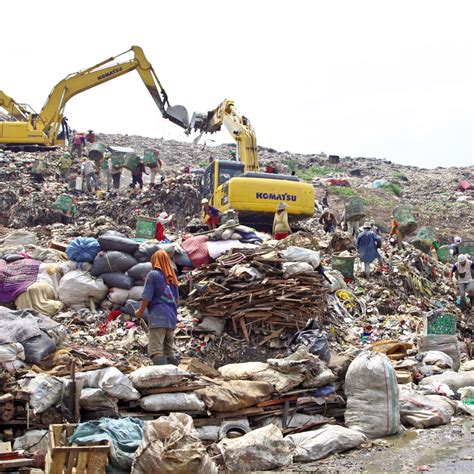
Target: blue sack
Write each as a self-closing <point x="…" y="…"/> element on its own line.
<point x="83" y="249"/>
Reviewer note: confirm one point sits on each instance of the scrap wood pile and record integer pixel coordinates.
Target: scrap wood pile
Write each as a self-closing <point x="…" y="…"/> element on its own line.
<point x="252" y="290"/>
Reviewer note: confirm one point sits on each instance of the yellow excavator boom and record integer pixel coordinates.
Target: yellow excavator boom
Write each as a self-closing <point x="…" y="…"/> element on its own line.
<point x="50" y="118"/>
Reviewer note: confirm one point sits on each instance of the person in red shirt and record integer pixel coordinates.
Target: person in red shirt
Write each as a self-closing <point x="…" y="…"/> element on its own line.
<point x="90" y="137"/>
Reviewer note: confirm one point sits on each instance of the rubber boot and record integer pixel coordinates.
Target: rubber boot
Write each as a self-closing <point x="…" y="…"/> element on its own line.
<point x="160" y="360"/>
<point x="173" y="360"/>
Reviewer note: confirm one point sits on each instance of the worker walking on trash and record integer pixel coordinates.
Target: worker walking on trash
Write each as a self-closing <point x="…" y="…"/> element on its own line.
<point x="105" y="171"/>
<point x="90" y="137"/>
<point x="77" y="145"/>
<point x="65" y="163"/>
<point x="395" y="232"/>
<point x="368" y="243"/>
<point x="160" y="297"/>
<point x="89" y="171"/>
<point x="281" y="228"/>
<point x="328" y="220"/>
<point x="210" y="215"/>
<point x="454" y="247"/>
<point x="137" y="175"/>
<point x="155" y="171"/>
<point x="463" y="271"/>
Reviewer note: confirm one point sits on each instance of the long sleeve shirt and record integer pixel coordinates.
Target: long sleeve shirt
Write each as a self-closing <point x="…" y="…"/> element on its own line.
<point x="366" y="244"/>
<point x="280" y="223"/>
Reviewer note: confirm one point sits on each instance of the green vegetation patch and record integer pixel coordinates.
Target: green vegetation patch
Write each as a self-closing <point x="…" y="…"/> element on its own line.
<point x="343" y="192"/>
<point x="317" y="171"/>
<point x="393" y="188"/>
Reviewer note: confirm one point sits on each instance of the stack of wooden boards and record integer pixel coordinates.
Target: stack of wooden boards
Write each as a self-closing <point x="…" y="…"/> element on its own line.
<point x="250" y="289"/>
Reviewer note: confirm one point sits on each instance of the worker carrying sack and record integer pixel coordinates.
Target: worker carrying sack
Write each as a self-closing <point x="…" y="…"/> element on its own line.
<point x="372" y="395"/>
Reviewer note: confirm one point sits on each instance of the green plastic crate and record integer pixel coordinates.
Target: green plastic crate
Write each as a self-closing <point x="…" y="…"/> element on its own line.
<point x="442" y="324"/>
<point x="150" y="158"/>
<point x="131" y="161"/>
<point x="145" y="227"/>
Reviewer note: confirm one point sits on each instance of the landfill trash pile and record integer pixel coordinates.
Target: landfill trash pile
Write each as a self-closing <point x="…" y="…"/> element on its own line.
<point x="288" y="353"/>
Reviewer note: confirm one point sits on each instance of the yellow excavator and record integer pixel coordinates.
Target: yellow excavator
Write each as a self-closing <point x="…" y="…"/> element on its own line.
<point x="239" y="184"/>
<point x="23" y="128"/>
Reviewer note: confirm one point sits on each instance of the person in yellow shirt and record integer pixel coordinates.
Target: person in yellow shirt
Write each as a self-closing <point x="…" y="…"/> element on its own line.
<point x="281" y="228"/>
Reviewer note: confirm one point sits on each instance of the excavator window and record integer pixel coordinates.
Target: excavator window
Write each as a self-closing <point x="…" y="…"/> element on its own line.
<point x="228" y="170"/>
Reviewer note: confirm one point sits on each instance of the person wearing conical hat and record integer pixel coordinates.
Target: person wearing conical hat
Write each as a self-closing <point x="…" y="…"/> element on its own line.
<point x="367" y="244"/>
<point x="281" y="228"/>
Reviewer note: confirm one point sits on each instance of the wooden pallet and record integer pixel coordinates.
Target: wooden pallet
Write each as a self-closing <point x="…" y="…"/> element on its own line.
<point x="63" y="459"/>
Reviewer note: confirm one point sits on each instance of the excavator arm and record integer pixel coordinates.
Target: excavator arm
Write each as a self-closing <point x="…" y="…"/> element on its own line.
<point x="237" y="125"/>
<point x="14" y="109"/>
<point x="51" y="115"/>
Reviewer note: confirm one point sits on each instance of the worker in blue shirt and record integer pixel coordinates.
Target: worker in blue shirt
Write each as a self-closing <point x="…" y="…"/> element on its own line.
<point x="160" y="296"/>
<point x="368" y="243"/>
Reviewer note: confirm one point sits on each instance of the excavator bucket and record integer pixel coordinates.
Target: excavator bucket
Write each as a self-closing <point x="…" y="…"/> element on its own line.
<point x="178" y="114"/>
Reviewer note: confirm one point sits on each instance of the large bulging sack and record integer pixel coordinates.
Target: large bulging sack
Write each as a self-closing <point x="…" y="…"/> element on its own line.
<point x="317" y="444"/>
<point x="172" y="444"/>
<point x="77" y="287"/>
<point x="299" y="254"/>
<point x="140" y="271"/>
<point x="38" y="348"/>
<point x="111" y="262"/>
<point x="372" y="395"/>
<point x="83" y="249"/>
<point x="117" y="280"/>
<point x="111" y="241"/>
<point x="158" y="376"/>
<point x="172" y="402"/>
<point x="111" y="381"/>
<point x="234" y="395"/>
<point x="260" y="450"/>
<point x="443" y="343"/>
<point x="423" y="411"/>
<point x="453" y="380"/>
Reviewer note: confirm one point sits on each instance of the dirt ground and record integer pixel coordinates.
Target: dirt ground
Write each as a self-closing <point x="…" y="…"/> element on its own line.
<point x="443" y="449"/>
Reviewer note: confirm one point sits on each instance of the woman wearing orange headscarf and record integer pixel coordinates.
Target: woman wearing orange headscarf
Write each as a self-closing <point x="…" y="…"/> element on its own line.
<point x="160" y="296"/>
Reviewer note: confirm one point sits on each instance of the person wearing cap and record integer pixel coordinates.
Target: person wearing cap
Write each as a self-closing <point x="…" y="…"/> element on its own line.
<point x="90" y="137"/>
<point x="462" y="270"/>
<point x="454" y="247"/>
<point x="160" y="298"/>
<point x="395" y="232"/>
<point x="367" y="244"/>
<point x="65" y="163"/>
<point x="328" y="220"/>
<point x="211" y="215"/>
<point x="161" y="219"/>
<point x="281" y="228"/>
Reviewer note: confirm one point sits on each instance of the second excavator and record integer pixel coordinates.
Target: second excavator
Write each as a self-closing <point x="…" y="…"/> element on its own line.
<point x="23" y="128"/>
<point x="239" y="184"/>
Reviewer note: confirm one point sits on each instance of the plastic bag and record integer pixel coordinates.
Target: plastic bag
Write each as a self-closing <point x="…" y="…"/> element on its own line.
<point x="437" y="358"/>
<point x="291" y="269"/>
<point x="38" y="348"/>
<point x="140" y="271"/>
<point x="118" y="280"/>
<point x="372" y="395"/>
<point x="45" y="392"/>
<point x="260" y="450"/>
<point x="111" y="381"/>
<point x="118" y="295"/>
<point x="77" y="287"/>
<point x="172" y="444"/>
<point x="317" y="444"/>
<point x="313" y="338"/>
<point x="299" y="254"/>
<point x="111" y="262"/>
<point x="32" y="441"/>
<point x="112" y="241"/>
<point x="157" y="376"/>
<point x="172" y="402"/>
<point x="444" y="343"/>
<point x="11" y="352"/>
<point x="83" y="249"/>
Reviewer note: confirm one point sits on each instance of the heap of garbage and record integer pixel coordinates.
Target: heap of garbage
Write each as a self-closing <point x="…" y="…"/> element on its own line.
<point x="288" y="353"/>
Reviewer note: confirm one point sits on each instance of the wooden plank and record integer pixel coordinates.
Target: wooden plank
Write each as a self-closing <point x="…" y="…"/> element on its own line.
<point x="244" y="329"/>
<point x="277" y="401"/>
<point x="14" y="464"/>
<point x="71" y="462"/>
<point x="81" y="463"/>
<point x="57" y="463"/>
<point x="270" y="337"/>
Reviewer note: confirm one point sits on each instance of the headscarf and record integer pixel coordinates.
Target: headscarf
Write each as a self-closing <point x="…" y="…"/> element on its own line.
<point x="161" y="261"/>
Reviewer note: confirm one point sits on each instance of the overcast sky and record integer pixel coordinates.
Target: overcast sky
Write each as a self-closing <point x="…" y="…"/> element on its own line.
<point x="360" y="78"/>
